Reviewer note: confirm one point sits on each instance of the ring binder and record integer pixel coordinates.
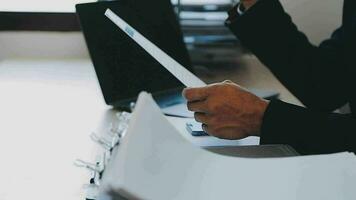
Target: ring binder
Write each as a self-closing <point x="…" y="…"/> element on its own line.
<point x="108" y="142"/>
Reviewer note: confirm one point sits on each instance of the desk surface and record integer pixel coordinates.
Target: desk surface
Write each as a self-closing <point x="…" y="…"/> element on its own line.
<point x="47" y="111"/>
<point x="48" y="108"/>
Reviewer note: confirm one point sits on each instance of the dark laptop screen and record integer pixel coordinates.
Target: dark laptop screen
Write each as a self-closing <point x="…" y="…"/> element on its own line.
<point x="123" y="67"/>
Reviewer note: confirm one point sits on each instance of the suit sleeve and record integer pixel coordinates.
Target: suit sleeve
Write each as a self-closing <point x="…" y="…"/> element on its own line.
<point x="307" y="131"/>
<point x="315" y="74"/>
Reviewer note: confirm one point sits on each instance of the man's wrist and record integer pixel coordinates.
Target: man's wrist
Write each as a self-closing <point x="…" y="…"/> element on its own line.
<point x="247" y="4"/>
<point x="262" y="107"/>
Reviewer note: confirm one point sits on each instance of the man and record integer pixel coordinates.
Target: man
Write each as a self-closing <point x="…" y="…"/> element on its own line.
<point x="323" y="78"/>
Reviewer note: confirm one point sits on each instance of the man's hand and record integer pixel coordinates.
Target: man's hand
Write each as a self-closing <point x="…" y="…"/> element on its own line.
<point x="248" y="3"/>
<point x="226" y="110"/>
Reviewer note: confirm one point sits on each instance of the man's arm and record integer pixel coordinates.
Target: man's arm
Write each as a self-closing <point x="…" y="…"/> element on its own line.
<point x="228" y="111"/>
<point x="307" y="131"/>
<point x="314" y="74"/>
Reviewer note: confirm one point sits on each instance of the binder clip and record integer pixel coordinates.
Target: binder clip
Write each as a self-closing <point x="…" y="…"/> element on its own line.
<point x="98" y="168"/>
<point x="122" y="124"/>
<point x="91" y="189"/>
<point x="105" y="143"/>
<point x="108" y="142"/>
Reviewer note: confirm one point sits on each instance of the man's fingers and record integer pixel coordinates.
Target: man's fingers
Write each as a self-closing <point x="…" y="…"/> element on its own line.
<point x="205" y="128"/>
<point x="197" y="106"/>
<point x="202" y="118"/>
<point x="195" y="94"/>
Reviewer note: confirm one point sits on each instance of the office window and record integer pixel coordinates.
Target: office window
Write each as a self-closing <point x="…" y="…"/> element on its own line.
<point x="59" y="15"/>
<point x="68" y="5"/>
<point x="39" y="5"/>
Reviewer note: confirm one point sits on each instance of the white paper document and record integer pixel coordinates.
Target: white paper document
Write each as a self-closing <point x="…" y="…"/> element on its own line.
<point x="178" y="110"/>
<point x="180" y="72"/>
<point x="154" y="161"/>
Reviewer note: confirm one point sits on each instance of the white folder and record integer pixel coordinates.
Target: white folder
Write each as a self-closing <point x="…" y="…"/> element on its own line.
<point x="154" y="161"/>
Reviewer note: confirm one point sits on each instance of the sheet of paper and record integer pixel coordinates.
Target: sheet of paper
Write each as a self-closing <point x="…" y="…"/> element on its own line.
<point x="154" y="161"/>
<point x="178" y="110"/>
<point x="180" y="72"/>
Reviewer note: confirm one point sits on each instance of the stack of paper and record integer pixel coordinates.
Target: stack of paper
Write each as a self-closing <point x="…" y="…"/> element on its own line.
<point x="155" y="162"/>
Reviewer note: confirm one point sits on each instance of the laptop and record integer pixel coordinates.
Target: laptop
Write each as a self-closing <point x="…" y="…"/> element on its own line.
<point x="123" y="68"/>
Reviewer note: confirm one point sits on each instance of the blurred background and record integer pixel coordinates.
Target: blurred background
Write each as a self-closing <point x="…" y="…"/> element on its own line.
<point x="50" y="99"/>
<point x="202" y="22"/>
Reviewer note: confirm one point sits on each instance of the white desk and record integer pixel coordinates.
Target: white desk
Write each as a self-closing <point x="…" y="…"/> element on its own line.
<point x="48" y="108"/>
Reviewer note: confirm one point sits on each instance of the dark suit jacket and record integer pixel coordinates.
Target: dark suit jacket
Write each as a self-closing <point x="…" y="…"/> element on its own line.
<point x="322" y="77"/>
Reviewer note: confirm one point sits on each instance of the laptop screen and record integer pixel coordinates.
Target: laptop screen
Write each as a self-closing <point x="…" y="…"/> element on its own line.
<point x="123" y="68"/>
